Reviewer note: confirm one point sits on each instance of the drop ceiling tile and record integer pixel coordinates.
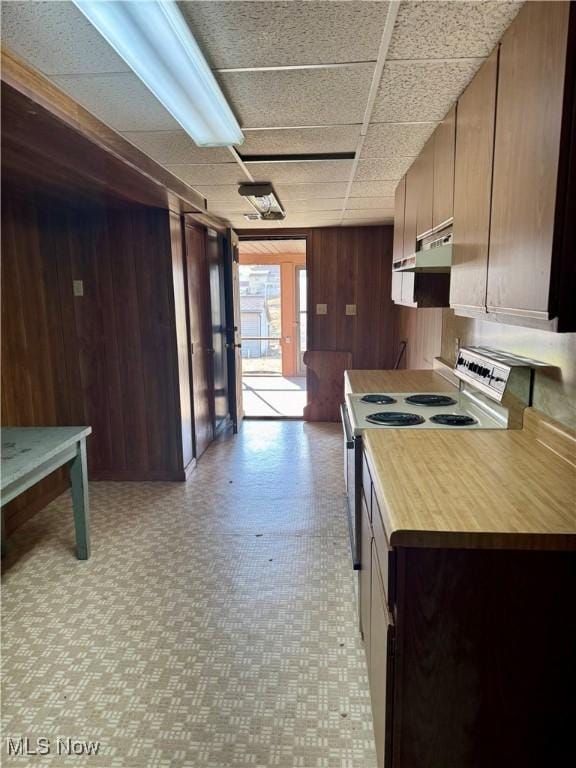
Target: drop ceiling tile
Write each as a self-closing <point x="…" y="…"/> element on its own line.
<point x="242" y="223"/>
<point x="373" y="188"/>
<point x="377" y="222"/>
<point x="218" y="192"/>
<point x="383" y="169"/>
<point x="383" y="203"/>
<point x="369" y="214"/>
<point x="306" y="172"/>
<point x="298" y="97"/>
<point x="439" y="30"/>
<point x="316" y="204"/>
<point x="249" y="34"/>
<point x="336" y="138"/>
<point x="228" y="173"/>
<point x="121" y="101"/>
<point x="56" y="38"/>
<point x="307" y="191"/>
<point x="231" y="207"/>
<point x="418" y="90"/>
<point x="396" y="139"/>
<point x="176" y="147"/>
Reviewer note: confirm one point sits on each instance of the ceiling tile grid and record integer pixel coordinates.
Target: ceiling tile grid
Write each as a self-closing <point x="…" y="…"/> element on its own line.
<point x="297" y="74"/>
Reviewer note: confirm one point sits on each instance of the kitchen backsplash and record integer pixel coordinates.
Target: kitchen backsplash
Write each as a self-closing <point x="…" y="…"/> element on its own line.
<point x="555" y="389"/>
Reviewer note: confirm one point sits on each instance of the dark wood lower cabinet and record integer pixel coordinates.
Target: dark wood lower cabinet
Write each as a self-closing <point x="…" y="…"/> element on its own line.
<point x="381" y="666"/>
<point x="471" y="655"/>
<point x="365" y="578"/>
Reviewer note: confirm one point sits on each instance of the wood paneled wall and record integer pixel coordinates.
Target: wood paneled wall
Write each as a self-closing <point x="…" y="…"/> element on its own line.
<point x="108" y="358"/>
<point x="421" y="329"/>
<point x="352" y="265"/>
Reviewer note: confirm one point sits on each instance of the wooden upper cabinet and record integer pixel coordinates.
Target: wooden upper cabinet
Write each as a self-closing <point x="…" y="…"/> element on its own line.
<point x="425" y="188"/>
<point x="399" y="202"/>
<point x="472" y="188"/>
<point x="531" y="161"/>
<point x="443" y="198"/>
<point x="411" y="207"/>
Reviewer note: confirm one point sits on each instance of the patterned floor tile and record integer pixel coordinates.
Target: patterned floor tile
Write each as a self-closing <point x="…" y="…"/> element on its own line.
<point x="214" y="625"/>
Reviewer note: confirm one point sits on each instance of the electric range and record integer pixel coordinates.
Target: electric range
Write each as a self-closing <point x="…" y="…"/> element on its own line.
<point x="494" y="389"/>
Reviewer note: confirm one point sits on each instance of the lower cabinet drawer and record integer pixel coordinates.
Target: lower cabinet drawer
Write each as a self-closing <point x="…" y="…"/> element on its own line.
<point x="381" y="667"/>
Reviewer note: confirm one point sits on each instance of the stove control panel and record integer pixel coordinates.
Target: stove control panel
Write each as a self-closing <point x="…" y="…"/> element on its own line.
<point x="482" y="372"/>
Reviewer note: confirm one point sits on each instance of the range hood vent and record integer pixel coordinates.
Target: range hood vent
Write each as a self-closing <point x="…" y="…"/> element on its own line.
<point x="434" y="256"/>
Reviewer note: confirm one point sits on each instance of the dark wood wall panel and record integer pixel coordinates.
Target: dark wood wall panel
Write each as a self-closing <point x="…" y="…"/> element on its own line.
<point x="352" y="265"/>
<point x="108" y="358"/>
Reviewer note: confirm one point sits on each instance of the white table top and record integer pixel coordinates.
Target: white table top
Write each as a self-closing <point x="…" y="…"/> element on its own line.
<point x="26" y="448"/>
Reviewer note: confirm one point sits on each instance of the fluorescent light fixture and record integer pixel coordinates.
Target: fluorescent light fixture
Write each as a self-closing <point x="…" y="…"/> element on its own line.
<point x="155" y="41"/>
<point x="263" y="198"/>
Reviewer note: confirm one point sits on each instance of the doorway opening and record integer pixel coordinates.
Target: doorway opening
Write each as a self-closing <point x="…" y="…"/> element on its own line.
<point x="273" y="311"/>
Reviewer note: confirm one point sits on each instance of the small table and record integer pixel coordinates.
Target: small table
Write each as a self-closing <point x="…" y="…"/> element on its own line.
<point x="29" y="454"/>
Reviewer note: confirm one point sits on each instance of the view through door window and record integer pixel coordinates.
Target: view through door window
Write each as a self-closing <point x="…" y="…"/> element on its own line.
<point x="273" y="326"/>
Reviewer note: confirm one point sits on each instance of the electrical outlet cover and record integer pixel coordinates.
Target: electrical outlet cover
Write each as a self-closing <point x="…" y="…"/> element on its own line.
<point x="350" y="309"/>
<point x="321" y="309"/>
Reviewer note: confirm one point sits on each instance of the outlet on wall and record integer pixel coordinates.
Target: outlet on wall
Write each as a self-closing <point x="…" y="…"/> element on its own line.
<point x="321" y="309"/>
<point x="350" y="309"/>
<point x="78" y="287"/>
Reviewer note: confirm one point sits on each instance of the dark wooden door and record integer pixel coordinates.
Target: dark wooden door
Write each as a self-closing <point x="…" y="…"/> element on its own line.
<point x="200" y="337"/>
<point x="215" y="249"/>
<point x="472" y="188"/>
<point x="444" y="140"/>
<point x="233" y="330"/>
<point x="526" y="159"/>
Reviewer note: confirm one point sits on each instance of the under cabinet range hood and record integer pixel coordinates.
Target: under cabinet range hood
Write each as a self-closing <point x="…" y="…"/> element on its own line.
<point x="434" y="256"/>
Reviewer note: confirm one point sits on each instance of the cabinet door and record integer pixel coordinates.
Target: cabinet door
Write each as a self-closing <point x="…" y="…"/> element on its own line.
<point x="365" y="578"/>
<point x="472" y="188"/>
<point x="399" y="201"/>
<point x="426" y="188"/>
<point x="411" y="207"/>
<point x="408" y="287"/>
<point x="397" y="287"/>
<point x="444" y="146"/>
<point x="526" y="154"/>
<point x="381" y="669"/>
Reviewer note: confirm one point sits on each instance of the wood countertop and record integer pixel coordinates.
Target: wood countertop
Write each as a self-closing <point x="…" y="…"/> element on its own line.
<point x="499" y="489"/>
<point x="396" y="381"/>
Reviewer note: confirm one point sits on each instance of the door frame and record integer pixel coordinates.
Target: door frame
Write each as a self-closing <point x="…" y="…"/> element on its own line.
<point x="300" y="365"/>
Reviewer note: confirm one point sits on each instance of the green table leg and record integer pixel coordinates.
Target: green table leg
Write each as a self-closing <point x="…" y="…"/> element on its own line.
<point x="79" y="481"/>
